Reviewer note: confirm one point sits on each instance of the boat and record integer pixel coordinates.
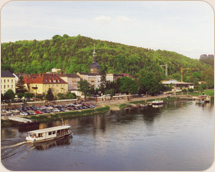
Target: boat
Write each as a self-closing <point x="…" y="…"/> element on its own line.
<point x="143" y="105"/>
<point x="203" y="99"/>
<point x="207" y="99"/>
<point x="199" y="101"/>
<point x="47" y="134"/>
<point x="157" y="106"/>
<point x="157" y="102"/>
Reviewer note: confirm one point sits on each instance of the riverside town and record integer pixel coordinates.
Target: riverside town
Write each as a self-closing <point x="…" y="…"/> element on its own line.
<point x="75" y="103"/>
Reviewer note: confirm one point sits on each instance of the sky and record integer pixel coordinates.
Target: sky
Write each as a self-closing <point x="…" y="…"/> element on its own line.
<point x="185" y="27"/>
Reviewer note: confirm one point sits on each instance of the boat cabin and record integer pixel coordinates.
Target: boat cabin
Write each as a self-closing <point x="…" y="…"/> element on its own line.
<point x="48" y="133"/>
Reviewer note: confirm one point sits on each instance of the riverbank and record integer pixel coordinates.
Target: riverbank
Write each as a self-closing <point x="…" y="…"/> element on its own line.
<point x="101" y="108"/>
<point x="58" y="116"/>
<point x="122" y="103"/>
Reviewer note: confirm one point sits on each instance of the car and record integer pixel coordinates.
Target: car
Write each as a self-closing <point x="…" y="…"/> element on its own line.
<point x="62" y="109"/>
<point x="32" y="112"/>
<point x="24" y="113"/>
<point x="38" y="112"/>
<point x="55" y="110"/>
<point x="45" y="111"/>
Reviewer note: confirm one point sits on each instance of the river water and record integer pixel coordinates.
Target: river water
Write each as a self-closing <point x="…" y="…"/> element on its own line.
<point x="177" y="136"/>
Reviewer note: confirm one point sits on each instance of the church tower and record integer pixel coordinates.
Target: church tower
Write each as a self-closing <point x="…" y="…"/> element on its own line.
<point x="94" y="67"/>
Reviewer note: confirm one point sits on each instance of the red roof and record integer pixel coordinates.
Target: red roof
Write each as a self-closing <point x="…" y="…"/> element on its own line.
<point x="27" y="80"/>
<point x="48" y="79"/>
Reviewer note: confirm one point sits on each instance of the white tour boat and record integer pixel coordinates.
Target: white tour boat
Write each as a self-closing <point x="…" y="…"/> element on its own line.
<point x="48" y="133"/>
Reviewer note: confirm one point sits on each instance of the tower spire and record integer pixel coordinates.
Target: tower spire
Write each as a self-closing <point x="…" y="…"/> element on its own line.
<point x="94" y="55"/>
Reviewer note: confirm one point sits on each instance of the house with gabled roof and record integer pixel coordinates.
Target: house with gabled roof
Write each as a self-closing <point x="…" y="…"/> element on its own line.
<point x="41" y="84"/>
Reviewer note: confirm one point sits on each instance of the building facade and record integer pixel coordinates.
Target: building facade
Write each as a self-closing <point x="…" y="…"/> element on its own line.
<point x="43" y="82"/>
<point x="93" y="78"/>
<point x="72" y="80"/>
<point x="8" y="81"/>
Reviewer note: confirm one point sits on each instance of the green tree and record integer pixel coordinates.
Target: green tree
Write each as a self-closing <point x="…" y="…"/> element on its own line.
<point x="28" y="95"/>
<point x="9" y="95"/>
<point x="20" y="87"/>
<point x="208" y="76"/>
<point x="49" y="96"/>
<point x="2" y="97"/>
<point x="70" y="95"/>
<point x="127" y="85"/>
<point x="103" y="71"/>
<point x="84" y="87"/>
<point x="149" y="83"/>
<point x="60" y="96"/>
<point x="20" y="95"/>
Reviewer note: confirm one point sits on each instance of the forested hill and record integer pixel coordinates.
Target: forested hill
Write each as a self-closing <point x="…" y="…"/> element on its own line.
<point x="74" y="54"/>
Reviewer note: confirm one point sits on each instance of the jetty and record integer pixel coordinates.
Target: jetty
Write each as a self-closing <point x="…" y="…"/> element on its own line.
<point x="18" y="119"/>
<point x="23" y="122"/>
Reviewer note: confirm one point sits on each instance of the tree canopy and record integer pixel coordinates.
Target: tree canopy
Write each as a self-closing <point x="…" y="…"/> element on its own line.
<point x="49" y="95"/>
<point x="84" y="87"/>
<point x="74" y="54"/>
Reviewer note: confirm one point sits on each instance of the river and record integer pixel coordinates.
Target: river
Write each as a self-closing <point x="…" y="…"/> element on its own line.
<point x="177" y="136"/>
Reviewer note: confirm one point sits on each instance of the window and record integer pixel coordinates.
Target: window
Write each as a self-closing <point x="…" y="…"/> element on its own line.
<point x="4" y="86"/>
<point x="53" y="132"/>
<point x="7" y="86"/>
<point x="11" y="81"/>
<point x="50" y="133"/>
<point x="8" y="80"/>
<point x="4" y="80"/>
<point x="40" y="135"/>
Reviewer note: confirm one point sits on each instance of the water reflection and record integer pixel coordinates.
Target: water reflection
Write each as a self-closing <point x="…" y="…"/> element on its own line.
<point x="206" y="106"/>
<point x="53" y="143"/>
<point x="166" y="138"/>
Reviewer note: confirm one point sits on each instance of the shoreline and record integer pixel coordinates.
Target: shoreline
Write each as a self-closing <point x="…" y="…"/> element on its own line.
<point x="101" y="108"/>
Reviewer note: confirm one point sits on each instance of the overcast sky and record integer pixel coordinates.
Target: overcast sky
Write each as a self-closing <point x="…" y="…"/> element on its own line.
<point x="184" y="27"/>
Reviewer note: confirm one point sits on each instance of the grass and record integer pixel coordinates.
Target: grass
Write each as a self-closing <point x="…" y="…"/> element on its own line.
<point x="57" y="116"/>
<point x="209" y="92"/>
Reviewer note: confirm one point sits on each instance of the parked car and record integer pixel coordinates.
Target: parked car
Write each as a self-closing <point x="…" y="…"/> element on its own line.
<point x="24" y="113"/>
<point x="55" y="110"/>
<point x="38" y="112"/>
<point x="32" y="112"/>
<point x="45" y="111"/>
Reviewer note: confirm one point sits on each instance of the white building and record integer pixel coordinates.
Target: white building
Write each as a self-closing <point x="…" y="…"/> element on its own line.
<point x="8" y="81"/>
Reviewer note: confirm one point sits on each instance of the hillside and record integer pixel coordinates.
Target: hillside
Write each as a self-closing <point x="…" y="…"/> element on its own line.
<point x="74" y="54"/>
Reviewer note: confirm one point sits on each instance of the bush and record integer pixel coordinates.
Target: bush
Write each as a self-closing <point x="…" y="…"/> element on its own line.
<point x="70" y="95"/>
<point x="190" y="90"/>
<point x="20" y="95"/>
<point x="41" y="97"/>
<point x="28" y="95"/>
<point x="60" y="96"/>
